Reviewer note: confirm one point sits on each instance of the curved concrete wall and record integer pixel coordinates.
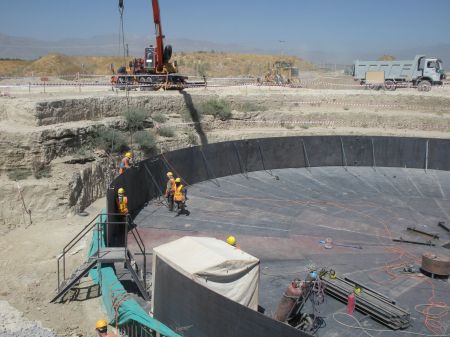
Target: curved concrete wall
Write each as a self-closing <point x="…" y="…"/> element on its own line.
<point x="196" y="164"/>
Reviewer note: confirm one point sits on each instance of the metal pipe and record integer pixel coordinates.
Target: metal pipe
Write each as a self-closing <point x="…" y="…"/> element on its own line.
<point x="414" y="229"/>
<point x="305" y="155"/>
<point x="429" y="243"/>
<point x="57" y="262"/>
<point x="374" y="164"/>
<point x="442" y="225"/>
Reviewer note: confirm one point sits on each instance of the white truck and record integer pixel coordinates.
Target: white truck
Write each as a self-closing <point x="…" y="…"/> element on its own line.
<point x="422" y="72"/>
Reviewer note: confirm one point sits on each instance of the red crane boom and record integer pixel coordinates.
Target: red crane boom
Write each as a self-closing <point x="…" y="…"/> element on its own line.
<point x="159" y="57"/>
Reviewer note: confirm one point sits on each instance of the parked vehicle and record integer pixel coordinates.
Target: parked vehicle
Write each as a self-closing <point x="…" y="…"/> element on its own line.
<point x="422" y="72"/>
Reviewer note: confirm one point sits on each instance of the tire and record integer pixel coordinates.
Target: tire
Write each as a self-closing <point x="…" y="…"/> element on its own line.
<point x="390" y="85"/>
<point x="424" y="85"/>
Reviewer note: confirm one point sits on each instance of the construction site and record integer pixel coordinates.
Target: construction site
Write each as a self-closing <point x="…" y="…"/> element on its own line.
<point x="212" y="194"/>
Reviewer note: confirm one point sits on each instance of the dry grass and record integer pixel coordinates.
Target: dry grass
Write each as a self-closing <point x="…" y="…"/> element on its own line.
<point x="217" y="64"/>
<point x="9" y="67"/>
<point x="211" y="64"/>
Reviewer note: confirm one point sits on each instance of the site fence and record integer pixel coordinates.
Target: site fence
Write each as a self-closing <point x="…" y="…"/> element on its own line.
<point x="145" y="82"/>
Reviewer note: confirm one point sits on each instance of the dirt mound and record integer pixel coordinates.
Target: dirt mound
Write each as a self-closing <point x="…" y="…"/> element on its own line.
<point x="219" y="64"/>
<point x="52" y="64"/>
<point x="10" y="67"/>
<point x="211" y="64"/>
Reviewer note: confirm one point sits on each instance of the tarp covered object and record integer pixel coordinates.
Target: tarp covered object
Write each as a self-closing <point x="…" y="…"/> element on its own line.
<point x="214" y="264"/>
<point x="113" y="292"/>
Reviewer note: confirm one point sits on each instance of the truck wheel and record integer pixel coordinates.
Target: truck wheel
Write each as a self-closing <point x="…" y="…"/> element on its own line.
<point x="424" y="86"/>
<point x="390" y="85"/>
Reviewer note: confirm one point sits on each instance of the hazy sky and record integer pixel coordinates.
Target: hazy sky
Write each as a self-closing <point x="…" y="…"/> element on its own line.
<point x="306" y="24"/>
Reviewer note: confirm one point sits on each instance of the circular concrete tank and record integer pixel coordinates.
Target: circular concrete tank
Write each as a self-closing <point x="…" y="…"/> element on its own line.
<point x="282" y="199"/>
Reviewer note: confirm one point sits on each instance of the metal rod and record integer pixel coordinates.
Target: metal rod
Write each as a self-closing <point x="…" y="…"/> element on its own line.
<point x="57" y="262"/>
<point x="414" y="229"/>
<point x="429" y="243"/>
<point x="344" y="158"/>
<point x="305" y="155"/>
<point x="442" y="225"/>
<point x="154" y="182"/>
<point x="348" y="245"/>
<point x="209" y="170"/>
<point x="269" y="172"/>
<point x="241" y="165"/>
<point x="371" y="290"/>
<point x="426" y="156"/>
<point x="374" y="164"/>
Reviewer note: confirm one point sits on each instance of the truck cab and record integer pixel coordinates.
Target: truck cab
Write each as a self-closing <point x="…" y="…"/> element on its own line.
<point x="431" y="69"/>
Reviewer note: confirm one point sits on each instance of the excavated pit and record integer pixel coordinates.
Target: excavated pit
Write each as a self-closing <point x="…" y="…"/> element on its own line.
<point x="281" y="216"/>
<point x="281" y="197"/>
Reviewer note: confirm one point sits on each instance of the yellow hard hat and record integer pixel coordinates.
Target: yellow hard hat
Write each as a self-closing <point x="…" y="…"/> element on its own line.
<point x="231" y="240"/>
<point x="121" y="191"/>
<point x="101" y="324"/>
<point x="169" y="174"/>
<point x="178" y="180"/>
<point x="129" y="155"/>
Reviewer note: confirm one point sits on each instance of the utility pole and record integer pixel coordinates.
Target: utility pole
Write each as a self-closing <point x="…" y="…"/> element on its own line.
<point x="281" y="49"/>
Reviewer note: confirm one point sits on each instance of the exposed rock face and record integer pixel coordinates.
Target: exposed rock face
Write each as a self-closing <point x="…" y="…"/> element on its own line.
<point x="70" y="110"/>
<point x="89" y="184"/>
<point x="37" y="133"/>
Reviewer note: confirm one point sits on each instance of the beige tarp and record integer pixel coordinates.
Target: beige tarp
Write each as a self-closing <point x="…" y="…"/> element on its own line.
<point x="215" y="264"/>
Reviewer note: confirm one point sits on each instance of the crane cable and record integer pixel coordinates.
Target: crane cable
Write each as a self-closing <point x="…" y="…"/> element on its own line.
<point x="122" y="42"/>
<point x="121" y="31"/>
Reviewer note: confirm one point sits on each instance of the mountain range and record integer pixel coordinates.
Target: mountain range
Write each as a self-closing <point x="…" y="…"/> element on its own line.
<point x="30" y="48"/>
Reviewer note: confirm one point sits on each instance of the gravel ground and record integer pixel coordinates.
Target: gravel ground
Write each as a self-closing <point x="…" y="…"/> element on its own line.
<point x="14" y="324"/>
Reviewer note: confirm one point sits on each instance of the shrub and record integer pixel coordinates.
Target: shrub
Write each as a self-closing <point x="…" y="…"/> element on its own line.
<point x="19" y="174"/>
<point x="40" y="169"/>
<point x="287" y="125"/>
<point x="219" y="108"/>
<point x="110" y="140"/>
<point x="159" y="117"/>
<point x="249" y="107"/>
<point x="166" y="132"/>
<point x="135" y="119"/>
<point x="192" y="138"/>
<point x="146" y="141"/>
<point x="84" y="150"/>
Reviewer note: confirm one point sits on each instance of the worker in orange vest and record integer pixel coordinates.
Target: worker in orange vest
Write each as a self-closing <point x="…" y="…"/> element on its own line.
<point x="179" y="197"/>
<point x="102" y="328"/>
<point x="126" y="162"/>
<point x="122" y="201"/>
<point x="170" y="190"/>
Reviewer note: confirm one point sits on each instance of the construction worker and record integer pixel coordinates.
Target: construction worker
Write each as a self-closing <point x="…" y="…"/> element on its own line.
<point x="102" y="328"/>
<point x="179" y="197"/>
<point x="170" y="190"/>
<point x="126" y="162"/>
<point x="122" y="201"/>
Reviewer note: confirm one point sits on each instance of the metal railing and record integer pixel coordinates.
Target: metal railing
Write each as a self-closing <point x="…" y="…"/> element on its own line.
<point x="87" y="229"/>
<point x="141" y="246"/>
<point x="96" y="223"/>
<point x="135" y="329"/>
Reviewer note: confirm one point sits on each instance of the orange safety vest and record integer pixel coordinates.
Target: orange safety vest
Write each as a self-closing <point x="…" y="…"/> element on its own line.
<point x="122" y="205"/>
<point x="124" y="164"/>
<point x="179" y="195"/>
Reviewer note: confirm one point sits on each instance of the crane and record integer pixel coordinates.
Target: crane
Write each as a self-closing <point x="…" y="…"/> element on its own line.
<point x="155" y="70"/>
